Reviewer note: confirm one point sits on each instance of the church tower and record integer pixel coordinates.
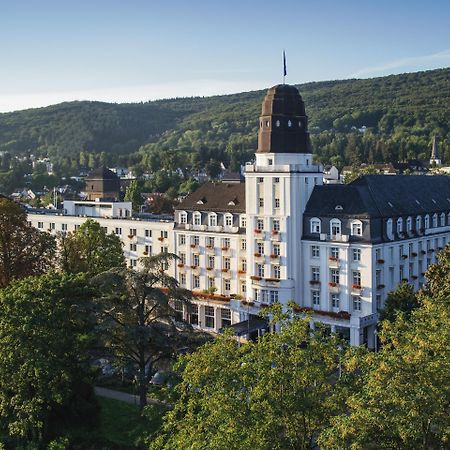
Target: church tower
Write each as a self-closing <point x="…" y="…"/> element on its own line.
<point x="434" y="160"/>
<point x="278" y="186"/>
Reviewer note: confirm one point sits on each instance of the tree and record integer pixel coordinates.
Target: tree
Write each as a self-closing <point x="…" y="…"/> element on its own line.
<point x="438" y="276"/>
<point x="138" y="316"/>
<point x="90" y="249"/>
<point x="133" y="194"/>
<point x="213" y="168"/>
<point x="403" y="300"/>
<point x="271" y="394"/>
<point x="23" y="249"/>
<point x="44" y="382"/>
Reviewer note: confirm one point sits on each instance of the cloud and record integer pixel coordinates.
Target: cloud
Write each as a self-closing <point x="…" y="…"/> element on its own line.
<point x="435" y="60"/>
<point x="122" y="94"/>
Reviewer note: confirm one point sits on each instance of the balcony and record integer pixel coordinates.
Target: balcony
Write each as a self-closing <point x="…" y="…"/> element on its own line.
<point x="357" y="289"/>
<point x="333" y="261"/>
<point x="333" y="287"/>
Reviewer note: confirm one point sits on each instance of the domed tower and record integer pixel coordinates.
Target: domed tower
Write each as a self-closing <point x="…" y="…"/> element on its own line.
<point x="278" y="186"/>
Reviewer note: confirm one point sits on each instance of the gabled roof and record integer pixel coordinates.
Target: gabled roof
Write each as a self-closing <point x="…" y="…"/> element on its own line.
<point x="216" y="197"/>
<point x="382" y="196"/>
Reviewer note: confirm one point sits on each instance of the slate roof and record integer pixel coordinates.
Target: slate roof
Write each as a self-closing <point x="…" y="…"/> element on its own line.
<point x="382" y="196"/>
<point x="102" y="173"/>
<point x="216" y="197"/>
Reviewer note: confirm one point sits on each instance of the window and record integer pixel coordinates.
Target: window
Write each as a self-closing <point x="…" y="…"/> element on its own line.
<point x="118" y="231"/>
<point x="335" y="300"/>
<point x="378" y="277"/>
<point x="261" y="202"/>
<point x="334" y="253"/>
<point x="148" y="233"/>
<point x="212" y="220"/>
<point x="211" y="283"/>
<point x="409" y="224"/>
<point x="260" y="248"/>
<point x="356" y="228"/>
<point x="276" y="180"/>
<point x="196" y="282"/>
<point x="276" y="249"/>
<point x="389" y="227"/>
<point x="435" y="220"/>
<point x="276" y="272"/>
<point x="335" y="276"/>
<point x="165" y="250"/>
<point x="178" y="307"/>
<point x="273" y="296"/>
<point x="196" y="240"/>
<point x="132" y="231"/>
<point x="193" y="315"/>
<point x="210" y="262"/>
<point x="356" y="303"/>
<point x="270" y="161"/>
<point x="315" y="273"/>
<point x="315" y="295"/>
<point x="315" y="251"/>
<point x="260" y="270"/>
<point x="276" y="225"/>
<point x="228" y="220"/>
<point x="133" y="262"/>
<point x="183" y="279"/>
<point x="210" y="242"/>
<point x="64" y="226"/>
<point x="244" y="265"/>
<point x="197" y="218"/>
<point x="356" y="278"/>
<point x="182" y="239"/>
<point x="195" y="260"/>
<point x="40" y="225"/>
<point x="148" y="249"/>
<point x="335" y="227"/>
<point x="399" y="225"/>
<point x="260" y="224"/>
<point x="163" y="234"/>
<point x="225" y="315"/>
<point x="226" y="243"/>
<point x="52" y="226"/>
<point x="244" y="244"/>
<point x="427" y="221"/>
<point x="356" y="254"/>
<point x="227" y="263"/>
<point x="77" y="227"/>
<point x="243" y="222"/>
<point x="260" y="180"/>
<point x="227" y="285"/>
<point x="442" y="220"/>
<point x="209" y="316"/>
<point x="315" y="225"/>
<point x="183" y="217"/>
<point x="277" y="203"/>
<point x="133" y="247"/>
<point x="418" y="223"/>
<point x="183" y="258"/>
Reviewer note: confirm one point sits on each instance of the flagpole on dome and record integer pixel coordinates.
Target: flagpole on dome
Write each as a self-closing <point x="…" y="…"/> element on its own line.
<point x="284" y="66"/>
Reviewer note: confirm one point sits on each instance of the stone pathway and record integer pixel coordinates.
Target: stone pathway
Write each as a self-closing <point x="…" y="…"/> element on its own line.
<point x="123" y="396"/>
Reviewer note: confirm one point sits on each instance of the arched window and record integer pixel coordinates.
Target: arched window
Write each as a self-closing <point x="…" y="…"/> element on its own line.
<point x="228" y="219"/>
<point x="399" y="225"/>
<point x="435" y="220"/>
<point x="448" y="219"/>
<point x="418" y="222"/>
<point x="356" y="228"/>
<point x="183" y="217"/>
<point x="409" y="224"/>
<point x="427" y="221"/>
<point x="212" y="220"/>
<point x="389" y="229"/>
<point x="315" y="225"/>
<point x="442" y="219"/>
<point x="335" y="227"/>
<point x="197" y="218"/>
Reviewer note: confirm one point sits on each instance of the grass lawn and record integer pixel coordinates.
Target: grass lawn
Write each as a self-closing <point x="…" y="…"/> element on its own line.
<point x="120" y="427"/>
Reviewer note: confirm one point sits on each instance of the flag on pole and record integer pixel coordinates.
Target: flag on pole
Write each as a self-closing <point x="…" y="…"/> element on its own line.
<point x="284" y="64"/>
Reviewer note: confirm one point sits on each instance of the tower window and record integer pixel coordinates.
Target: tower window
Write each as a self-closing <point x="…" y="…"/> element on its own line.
<point x="267" y="123"/>
<point x="277" y="123"/>
<point x="289" y="123"/>
<point x="270" y="161"/>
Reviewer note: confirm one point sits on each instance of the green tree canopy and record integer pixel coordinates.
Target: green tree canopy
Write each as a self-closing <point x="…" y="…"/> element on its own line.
<point x="403" y="300"/>
<point x="23" y="249"/>
<point x="44" y="322"/>
<point x="90" y="249"/>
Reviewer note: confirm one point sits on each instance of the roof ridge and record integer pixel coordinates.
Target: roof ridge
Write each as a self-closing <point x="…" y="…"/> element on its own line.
<point x="371" y="195"/>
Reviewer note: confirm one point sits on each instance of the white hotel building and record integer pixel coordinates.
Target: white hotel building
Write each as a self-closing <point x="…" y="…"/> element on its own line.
<point x="335" y="250"/>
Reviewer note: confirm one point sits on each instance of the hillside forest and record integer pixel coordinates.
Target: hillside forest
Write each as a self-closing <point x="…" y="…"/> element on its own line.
<point x="387" y="119"/>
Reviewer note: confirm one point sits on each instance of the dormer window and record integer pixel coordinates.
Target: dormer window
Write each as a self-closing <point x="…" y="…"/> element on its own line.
<point x="183" y="217"/>
<point x="197" y="218"/>
<point x="418" y="223"/>
<point x="442" y="219"/>
<point x="427" y="221"/>
<point x="315" y="225"/>
<point x="435" y="220"/>
<point x="212" y="220"/>
<point x="228" y="218"/>
<point x="289" y="123"/>
<point x="356" y="228"/>
<point x="389" y="228"/>
<point x="270" y="162"/>
<point x="338" y="208"/>
<point x="399" y="225"/>
<point x="335" y="227"/>
<point x="409" y="224"/>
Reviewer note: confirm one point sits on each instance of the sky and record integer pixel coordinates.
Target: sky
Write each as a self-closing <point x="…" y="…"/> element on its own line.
<point x="135" y="50"/>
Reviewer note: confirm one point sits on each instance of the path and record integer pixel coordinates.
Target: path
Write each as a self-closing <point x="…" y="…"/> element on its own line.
<point x="123" y="396"/>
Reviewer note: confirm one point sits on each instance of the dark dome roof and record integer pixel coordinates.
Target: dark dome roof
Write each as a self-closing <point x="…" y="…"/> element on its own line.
<point x="283" y="99"/>
<point x="102" y="173"/>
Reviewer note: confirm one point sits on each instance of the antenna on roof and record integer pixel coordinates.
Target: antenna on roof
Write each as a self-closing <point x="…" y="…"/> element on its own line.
<point x="284" y="66"/>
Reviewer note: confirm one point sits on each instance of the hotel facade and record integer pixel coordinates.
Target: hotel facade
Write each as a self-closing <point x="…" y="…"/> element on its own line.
<point x="280" y="235"/>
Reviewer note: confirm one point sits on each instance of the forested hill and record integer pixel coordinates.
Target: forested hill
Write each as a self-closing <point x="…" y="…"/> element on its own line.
<point x="401" y="113"/>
